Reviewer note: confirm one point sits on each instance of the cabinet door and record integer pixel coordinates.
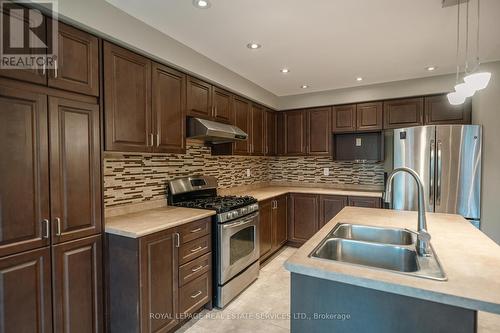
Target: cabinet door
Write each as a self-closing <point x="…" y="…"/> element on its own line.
<point x="223" y="106"/>
<point x="439" y="111"/>
<point x="24" y="171"/>
<point x="199" y="98"/>
<point x="77" y="64"/>
<point x="77" y="280"/>
<point x="369" y="116"/>
<point x="270" y="133"/>
<point x="344" y="118"/>
<point x="242" y="120"/>
<point x="25" y="289"/>
<point x="258" y="132"/>
<point x="304" y="217"/>
<point x="403" y="113"/>
<point x="169" y="102"/>
<point x="159" y="281"/>
<point x="127" y="100"/>
<point x="75" y="169"/>
<point x="280" y="134"/>
<point x="368" y="202"/>
<point x="280" y="222"/>
<point x="295" y="129"/>
<point x="265" y="226"/>
<point x="319" y="135"/>
<point x="30" y="75"/>
<point x="330" y="205"/>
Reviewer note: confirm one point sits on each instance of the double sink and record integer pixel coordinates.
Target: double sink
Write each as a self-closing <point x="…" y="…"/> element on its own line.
<point x="382" y="248"/>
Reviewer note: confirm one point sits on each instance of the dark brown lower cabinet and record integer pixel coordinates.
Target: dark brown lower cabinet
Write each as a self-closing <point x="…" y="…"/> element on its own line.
<point x="368" y="202"/>
<point x="303" y="217"/>
<point x="77" y="283"/>
<point x="265" y="226"/>
<point x="272" y="225"/>
<point x="25" y="290"/>
<point x="329" y="206"/>
<point x="152" y="286"/>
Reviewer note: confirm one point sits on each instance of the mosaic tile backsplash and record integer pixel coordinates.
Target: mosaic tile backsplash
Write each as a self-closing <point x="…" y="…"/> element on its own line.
<point x="132" y="178"/>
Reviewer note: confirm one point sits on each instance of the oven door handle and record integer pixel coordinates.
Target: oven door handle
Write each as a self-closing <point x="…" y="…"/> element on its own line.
<point x="246" y="220"/>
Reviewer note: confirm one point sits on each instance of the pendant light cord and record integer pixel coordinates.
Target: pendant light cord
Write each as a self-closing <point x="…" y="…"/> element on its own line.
<point x="466" y="69"/>
<point x="477" y="36"/>
<point x="458" y="39"/>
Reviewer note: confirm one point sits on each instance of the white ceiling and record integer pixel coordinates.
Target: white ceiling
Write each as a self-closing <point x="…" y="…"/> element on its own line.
<point x="325" y="43"/>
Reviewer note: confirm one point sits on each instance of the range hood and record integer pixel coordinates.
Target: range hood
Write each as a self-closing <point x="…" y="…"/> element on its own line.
<point x="214" y="132"/>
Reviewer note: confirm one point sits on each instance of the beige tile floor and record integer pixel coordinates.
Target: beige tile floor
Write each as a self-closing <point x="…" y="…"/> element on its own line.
<point x="270" y="296"/>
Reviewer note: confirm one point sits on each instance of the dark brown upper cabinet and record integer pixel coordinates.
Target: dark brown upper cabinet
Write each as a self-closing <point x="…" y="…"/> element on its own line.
<point x="199" y="98"/>
<point x="75" y="165"/>
<point x="271" y="143"/>
<point x="169" y="103"/>
<point x="209" y="102"/>
<point x="127" y="100"/>
<point x="369" y="116"/>
<point x="24" y="175"/>
<point x="25" y="286"/>
<point x="77" y="283"/>
<point x="258" y="130"/>
<point x="39" y="75"/>
<point x="319" y="135"/>
<point x="280" y="133"/>
<point x="242" y="119"/>
<point x="77" y="65"/>
<point x="439" y="111"/>
<point x="223" y="106"/>
<point x="403" y="112"/>
<point x="344" y="118"/>
<point x="295" y="132"/>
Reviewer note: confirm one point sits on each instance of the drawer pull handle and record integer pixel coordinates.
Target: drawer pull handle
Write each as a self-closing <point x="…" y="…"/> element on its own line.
<point x="197" y="268"/>
<point x="197" y="249"/>
<point x="196" y="230"/>
<point x="196" y="294"/>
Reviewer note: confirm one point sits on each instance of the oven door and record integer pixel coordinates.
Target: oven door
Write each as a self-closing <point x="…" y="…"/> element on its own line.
<point x="238" y="246"/>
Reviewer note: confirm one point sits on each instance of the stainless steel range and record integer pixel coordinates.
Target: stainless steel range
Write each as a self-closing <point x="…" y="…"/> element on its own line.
<point x="236" y="233"/>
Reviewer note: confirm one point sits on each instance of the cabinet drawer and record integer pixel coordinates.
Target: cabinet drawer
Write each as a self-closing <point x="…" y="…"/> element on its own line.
<point x="193" y="269"/>
<point x="194" y="249"/>
<point x="194" y="230"/>
<point x="194" y="294"/>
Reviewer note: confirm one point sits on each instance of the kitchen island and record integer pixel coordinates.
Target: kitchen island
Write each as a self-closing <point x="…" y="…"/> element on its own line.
<point x="349" y="297"/>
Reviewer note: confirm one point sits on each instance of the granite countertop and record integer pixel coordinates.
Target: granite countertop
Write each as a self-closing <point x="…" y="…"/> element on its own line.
<point x="144" y="222"/>
<point x="267" y="192"/>
<point x="469" y="258"/>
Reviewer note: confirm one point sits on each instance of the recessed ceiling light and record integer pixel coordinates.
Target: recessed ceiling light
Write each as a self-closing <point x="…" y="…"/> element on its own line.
<point x="285" y="70"/>
<point x="254" y="46"/>
<point x="304" y="86"/>
<point x="359" y="78"/>
<point x="431" y="68"/>
<point x="201" y="3"/>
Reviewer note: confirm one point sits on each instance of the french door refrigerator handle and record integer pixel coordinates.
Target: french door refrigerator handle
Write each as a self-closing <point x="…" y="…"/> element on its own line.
<point x="439" y="171"/>
<point x="431" y="172"/>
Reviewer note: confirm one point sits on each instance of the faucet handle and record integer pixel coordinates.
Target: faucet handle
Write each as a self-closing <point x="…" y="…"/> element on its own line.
<point x="422" y="235"/>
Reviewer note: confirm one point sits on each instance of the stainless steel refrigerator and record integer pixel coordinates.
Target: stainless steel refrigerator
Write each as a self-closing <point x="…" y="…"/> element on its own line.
<point x="448" y="160"/>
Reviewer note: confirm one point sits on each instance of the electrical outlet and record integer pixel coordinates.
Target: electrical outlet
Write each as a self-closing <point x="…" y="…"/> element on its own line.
<point x="248" y="173"/>
<point x="358" y="142"/>
<point x="326" y="171"/>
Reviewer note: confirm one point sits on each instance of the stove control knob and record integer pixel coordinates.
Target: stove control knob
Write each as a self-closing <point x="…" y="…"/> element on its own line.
<point x="230" y="215"/>
<point x="244" y="210"/>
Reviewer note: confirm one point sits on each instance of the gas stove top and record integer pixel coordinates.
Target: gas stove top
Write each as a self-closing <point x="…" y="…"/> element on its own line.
<point x="220" y="204"/>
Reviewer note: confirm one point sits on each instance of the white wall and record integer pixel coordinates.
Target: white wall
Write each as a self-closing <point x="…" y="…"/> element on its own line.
<point x="406" y="88"/>
<point x="486" y="112"/>
<point x="106" y="20"/>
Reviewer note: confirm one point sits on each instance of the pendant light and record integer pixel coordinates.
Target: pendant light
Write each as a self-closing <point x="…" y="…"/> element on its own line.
<point x="454" y="97"/>
<point x="478" y="80"/>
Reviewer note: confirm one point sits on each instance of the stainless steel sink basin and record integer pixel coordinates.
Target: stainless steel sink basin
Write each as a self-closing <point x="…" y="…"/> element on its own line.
<point x="391" y="257"/>
<point x="379" y="248"/>
<point x="374" y="234"/>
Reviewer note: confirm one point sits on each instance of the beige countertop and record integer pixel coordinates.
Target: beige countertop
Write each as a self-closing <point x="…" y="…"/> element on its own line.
<point x="141" y="223"/>
<point x="267" y="192"/>
<point x="469" y="258"/>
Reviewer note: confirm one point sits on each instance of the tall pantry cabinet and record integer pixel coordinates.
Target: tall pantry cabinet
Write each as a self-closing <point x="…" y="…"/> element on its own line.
<point x="50" y="194"/>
